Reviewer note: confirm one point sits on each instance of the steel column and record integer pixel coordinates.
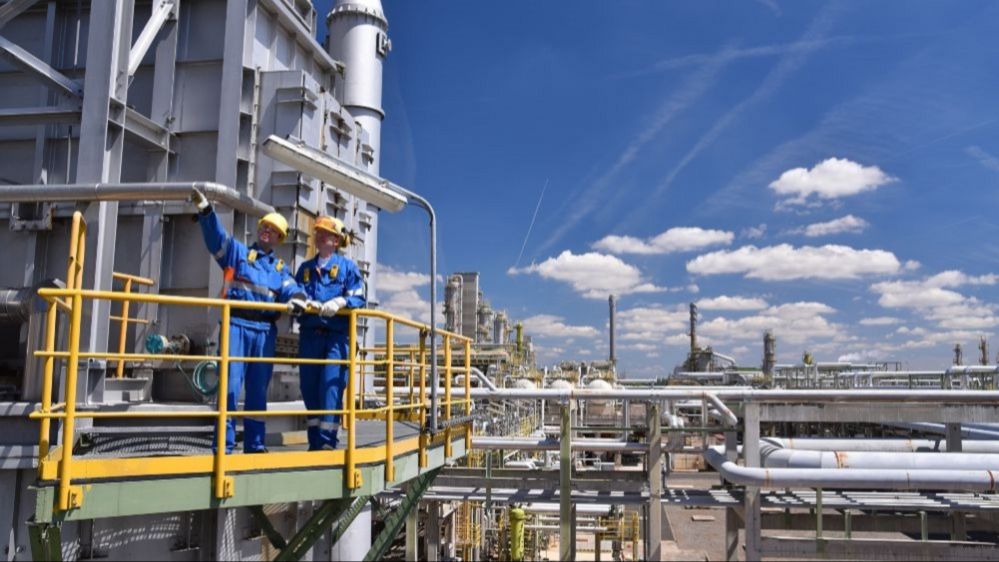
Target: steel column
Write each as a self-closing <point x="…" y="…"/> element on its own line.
<point x="413" y="533"/>
<point x="654" y="463"/>
<point x="102" y="139"/>
<point x="567" y="512"/>
<point x="959" y="530"/>
<point x="751" y="452"/>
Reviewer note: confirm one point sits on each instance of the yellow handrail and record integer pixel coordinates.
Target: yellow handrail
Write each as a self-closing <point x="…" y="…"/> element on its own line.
<point x="124" y="320"/>
<point x="413" y="358"/>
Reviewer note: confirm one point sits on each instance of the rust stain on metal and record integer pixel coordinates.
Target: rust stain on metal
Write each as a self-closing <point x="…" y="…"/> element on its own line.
<point x="841" y="459"/>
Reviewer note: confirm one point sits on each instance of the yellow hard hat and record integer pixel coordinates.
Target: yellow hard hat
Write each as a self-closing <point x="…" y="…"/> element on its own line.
<point x="277" y="221"/>
<point x="333" y="225"/>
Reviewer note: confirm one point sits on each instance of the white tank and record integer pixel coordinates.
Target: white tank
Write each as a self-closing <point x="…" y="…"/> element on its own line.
<point x="524" y="384"/>
<point x="561" y="384"/>
<point x="599" y="407"/>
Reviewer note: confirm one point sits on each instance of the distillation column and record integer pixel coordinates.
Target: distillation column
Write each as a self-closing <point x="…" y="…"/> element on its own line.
<point x="358" y="37"/>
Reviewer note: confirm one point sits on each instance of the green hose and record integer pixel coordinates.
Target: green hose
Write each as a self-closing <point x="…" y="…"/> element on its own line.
<point x="205" y="378"/>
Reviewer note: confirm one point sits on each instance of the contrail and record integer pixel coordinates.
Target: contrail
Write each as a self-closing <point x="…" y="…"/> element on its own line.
<point x="529" y="228"/>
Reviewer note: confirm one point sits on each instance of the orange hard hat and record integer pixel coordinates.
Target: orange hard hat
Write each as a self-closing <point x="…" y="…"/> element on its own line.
<point x="333" y="225"/>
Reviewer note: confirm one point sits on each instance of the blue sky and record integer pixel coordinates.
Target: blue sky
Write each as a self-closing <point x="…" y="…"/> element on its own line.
<point x="828" y="170"/>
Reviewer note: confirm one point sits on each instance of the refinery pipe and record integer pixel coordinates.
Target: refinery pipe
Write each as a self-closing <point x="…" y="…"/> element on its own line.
<point x="173" y="191"/>
<point x="851" y="478"/>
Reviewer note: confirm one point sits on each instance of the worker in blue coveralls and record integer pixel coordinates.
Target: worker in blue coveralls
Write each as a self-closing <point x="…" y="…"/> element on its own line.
<point x="332" y="282"/>
<point x="251" y="274"/>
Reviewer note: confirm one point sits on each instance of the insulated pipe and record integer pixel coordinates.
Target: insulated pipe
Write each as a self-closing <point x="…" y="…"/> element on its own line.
<point x="851" y="478"/>
<point x="174" y="191"/>
<point x="882" y="445"/>
<point x="594" y="445"/>
<point x="483" y="378"/>
<point x="776" y="457"/>
<point x="15" y="305"/>
<point x="726" y="393"/>
<point x="982" y="432"/>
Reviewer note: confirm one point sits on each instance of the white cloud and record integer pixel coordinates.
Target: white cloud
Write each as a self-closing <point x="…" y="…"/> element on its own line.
<point x="550" y="326"/>
<point x="785" y="262"/>
<point x="754" y="232"/>
<point x="592" y="274"/>
<point x="651" y="323"/>
<point x="391" y="280"/>
<point x="793" y="323"/>
<point x="848" y="224"/>
<point x="936" y="299"/>
<point x="676" y="239"/>
<point x="732" y="303"/>
<point x="398" y="293"/>
<point x="830" y="179"/>
<point x="880" y="321"/>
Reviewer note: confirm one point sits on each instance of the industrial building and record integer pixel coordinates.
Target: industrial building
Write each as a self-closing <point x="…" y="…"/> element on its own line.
<point x="455" y="444"/>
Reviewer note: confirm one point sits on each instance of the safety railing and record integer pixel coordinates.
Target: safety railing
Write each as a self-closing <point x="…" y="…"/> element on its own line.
<point x="391" y="358"/>
<point x="124" y="320"/>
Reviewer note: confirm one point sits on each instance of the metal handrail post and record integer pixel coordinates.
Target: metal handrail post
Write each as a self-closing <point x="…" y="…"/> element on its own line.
<point x="422" y="461"/>
<point x="123" y="333"/>
<point x="78" y="245"/>
<point x="51" y="316"/>
<point x="389" y="401"/>
<point x="352" y="480"/>
<point x="447" y="395"/>
<point x="468" y="393"/>
<point x="221" y="489"/>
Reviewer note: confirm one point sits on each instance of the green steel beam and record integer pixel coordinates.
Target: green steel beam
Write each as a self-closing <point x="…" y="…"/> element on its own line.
<point x="46" y="542"/>
<point x="121" y="498"/>
<point x="265" y="525"/>
<point x="414" y="490"/>
<point x="313" y="529"/>
<point x="343" y="523"/>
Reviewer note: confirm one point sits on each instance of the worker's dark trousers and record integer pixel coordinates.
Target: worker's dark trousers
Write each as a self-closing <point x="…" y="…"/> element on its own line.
<point x="323" y="385"/>
<point x="247" y="341"/>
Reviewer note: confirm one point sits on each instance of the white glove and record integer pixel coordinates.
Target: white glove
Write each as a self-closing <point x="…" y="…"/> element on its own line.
<point x="331" y="307"/>
<point x="297" y="306"/>
<point x="313" y="307"/>
<point x="199" y="199"/>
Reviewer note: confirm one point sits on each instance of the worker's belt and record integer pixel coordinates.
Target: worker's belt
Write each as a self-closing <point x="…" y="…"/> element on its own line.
<point x="255" y="315"/>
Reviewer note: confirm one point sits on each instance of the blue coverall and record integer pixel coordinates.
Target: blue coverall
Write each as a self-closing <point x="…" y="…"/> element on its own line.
<point x="326" y="338"/>
<point x="255" y="275"/>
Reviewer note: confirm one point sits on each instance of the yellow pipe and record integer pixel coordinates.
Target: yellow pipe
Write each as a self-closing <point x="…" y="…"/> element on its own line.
<point x="46" y="425"/>
<point x="389" y="399"/>
<point x="223" y="406"/>
<point x="517" y="516"/>
<point x="351" y="373"/>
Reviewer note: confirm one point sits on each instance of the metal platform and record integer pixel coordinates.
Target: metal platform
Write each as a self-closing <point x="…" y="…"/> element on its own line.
<point x="288" y="473"/>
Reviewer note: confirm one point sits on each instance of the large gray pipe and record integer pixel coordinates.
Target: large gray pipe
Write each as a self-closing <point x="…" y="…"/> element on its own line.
<point x="175" y="191"/>
<point x="851" y="478"/>
<point x="727" y="393"/>
<point x="15" y="305"/>
<point x="881" y="445"/>
<point x="521" y="444"/>
<point x="777" y="457"/>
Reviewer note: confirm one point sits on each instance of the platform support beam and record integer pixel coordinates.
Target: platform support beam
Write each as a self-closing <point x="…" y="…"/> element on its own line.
<point x="314" y="528"/>
<point x="46" y="541"/>
<point x="395" y="521"/>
